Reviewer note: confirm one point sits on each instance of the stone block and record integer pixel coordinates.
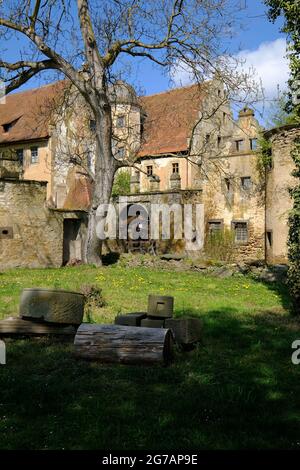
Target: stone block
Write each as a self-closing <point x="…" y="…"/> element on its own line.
<point x="185" y="330"/>
<point x="153" y="322"/>
<point x="160" y="306"/>
<point x="130" y="319"/>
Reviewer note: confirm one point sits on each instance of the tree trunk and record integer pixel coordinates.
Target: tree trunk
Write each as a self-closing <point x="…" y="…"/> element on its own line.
<point x="125" y="344"/>
<point x="105" y="168"/>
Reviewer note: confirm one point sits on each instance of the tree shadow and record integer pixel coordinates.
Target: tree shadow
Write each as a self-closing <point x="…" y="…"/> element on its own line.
<point x="237" y="389"/>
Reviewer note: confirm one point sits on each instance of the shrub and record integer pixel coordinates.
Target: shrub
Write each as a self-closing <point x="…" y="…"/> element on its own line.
<point x="220" y="245"/>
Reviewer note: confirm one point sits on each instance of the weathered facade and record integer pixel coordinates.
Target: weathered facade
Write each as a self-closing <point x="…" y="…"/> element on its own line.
<point x="181" y="151"/>
<point x="278" y="201"/>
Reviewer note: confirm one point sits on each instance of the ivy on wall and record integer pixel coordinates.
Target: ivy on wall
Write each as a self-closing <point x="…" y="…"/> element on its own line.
<point x="294" y="234"/>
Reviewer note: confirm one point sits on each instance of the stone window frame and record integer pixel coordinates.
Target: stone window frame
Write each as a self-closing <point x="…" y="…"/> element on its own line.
<point x="34" y="158"/>
<point x="175" y="168"/>
<point x="243" y="186"/>
<point x="215" y="221"/>
<point x="233" y="228"/>
<point x="251" y="140"/>
<point x="149" y="170"/>
<point x="240" y="145"/>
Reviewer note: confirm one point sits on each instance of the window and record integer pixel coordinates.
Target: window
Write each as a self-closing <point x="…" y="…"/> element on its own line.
<point x="269" y="238"/>
<point x="8" y="125"/>
<point x="227" y="182"/>
<point x="253" y="144"/>
<point x="246" y="183"/>
<point x="92" y="125"/>
<point x="224" y="118"/>
<point x="149" y="170"/>
<point x="219" y="93"/>
<point x="241" y="231"/>
<point x="239" y="145"/>
<point x="219" y="141"/>
<point x="121" y="121"/>
<point x="34" y="154"/>
<point x="20" y="156"/>
<point x="175" y="167"/>
<point x="215" y="226"/>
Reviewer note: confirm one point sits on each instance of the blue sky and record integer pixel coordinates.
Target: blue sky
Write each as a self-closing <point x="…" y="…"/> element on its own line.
<point x="258" y="42"/>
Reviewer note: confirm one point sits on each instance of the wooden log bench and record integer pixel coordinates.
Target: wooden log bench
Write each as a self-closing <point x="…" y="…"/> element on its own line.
<point x="123" y="344"/>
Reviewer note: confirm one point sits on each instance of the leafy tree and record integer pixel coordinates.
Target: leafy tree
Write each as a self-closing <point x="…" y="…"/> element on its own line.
<point x="290" y="10"/>
<point x="121" y="185"/>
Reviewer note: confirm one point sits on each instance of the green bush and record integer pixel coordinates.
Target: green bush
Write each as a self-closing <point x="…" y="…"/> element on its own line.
<point x="121" y="185"/>
<point x="220" y="245"/>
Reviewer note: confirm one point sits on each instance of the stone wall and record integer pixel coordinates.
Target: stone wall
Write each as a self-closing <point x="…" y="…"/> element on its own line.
<point x="278" y="201"/>
<point x="36" y="234"/>
<point x="31" y="235"/>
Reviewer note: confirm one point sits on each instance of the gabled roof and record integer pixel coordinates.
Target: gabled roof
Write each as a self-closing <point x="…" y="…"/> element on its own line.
<point x="170" y="118"/>
<point x="28" y="112"/>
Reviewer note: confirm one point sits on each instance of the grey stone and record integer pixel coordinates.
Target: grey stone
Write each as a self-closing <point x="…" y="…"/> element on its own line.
<point x="130" y="319"/>
<point x="153" y="322"/>
<point x="160" y="306"/>
<point x="185" y="330"/>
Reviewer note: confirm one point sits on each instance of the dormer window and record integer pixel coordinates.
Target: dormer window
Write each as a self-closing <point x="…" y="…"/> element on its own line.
<point x="8" y="125"/>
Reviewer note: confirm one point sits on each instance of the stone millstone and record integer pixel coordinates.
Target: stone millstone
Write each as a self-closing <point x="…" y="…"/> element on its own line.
<point x="185" y="330"/>
<point x="160" y="306"/>
<point x="54" y="306"/>
<point x="130" y="319"/>
<point x="153" y="322"/>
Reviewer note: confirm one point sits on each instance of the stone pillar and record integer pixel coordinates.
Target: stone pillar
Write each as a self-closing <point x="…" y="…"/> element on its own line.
<point x="175" y="181"/>
<point x="154" y="183"/>
<point x="135" y="183"/>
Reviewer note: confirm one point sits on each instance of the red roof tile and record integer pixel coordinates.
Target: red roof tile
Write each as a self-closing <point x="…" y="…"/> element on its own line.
<point x="29" y="111"/>
<point x="170" y="117"/>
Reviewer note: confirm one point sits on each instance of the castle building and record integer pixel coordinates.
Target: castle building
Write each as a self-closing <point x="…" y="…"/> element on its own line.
<point x="183" y="146"/>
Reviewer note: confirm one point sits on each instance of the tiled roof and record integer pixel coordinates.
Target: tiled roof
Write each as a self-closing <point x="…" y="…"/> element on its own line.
<point x="170" y="117"/>
<point x="29" y="112"/>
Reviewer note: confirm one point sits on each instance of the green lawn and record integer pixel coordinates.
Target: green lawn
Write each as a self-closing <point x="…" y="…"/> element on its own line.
<point x="237" y="389"/>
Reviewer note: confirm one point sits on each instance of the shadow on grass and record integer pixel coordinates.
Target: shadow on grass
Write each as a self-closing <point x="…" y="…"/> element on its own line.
<point x="237" y="389"/>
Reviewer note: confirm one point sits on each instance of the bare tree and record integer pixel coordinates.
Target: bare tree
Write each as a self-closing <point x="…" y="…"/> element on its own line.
<point x="89" y="44"/>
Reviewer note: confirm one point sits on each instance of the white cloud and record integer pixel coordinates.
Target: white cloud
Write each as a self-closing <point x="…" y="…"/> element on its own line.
<point x="270" y="64"/>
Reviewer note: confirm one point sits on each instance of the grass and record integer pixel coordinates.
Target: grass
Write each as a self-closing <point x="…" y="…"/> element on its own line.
<point x="237" y="389"/>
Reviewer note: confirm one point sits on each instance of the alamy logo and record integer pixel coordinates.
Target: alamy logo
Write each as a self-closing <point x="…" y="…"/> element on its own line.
<point x="296" y="354"/>
<point x="2" y="353"/>
<point x="154" y="222"/>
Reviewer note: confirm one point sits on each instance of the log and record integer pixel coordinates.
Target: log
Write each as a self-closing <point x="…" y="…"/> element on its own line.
<point x="123" y="344"/>
<point x="15" y="326"/>
<point x="53" y="306"/>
